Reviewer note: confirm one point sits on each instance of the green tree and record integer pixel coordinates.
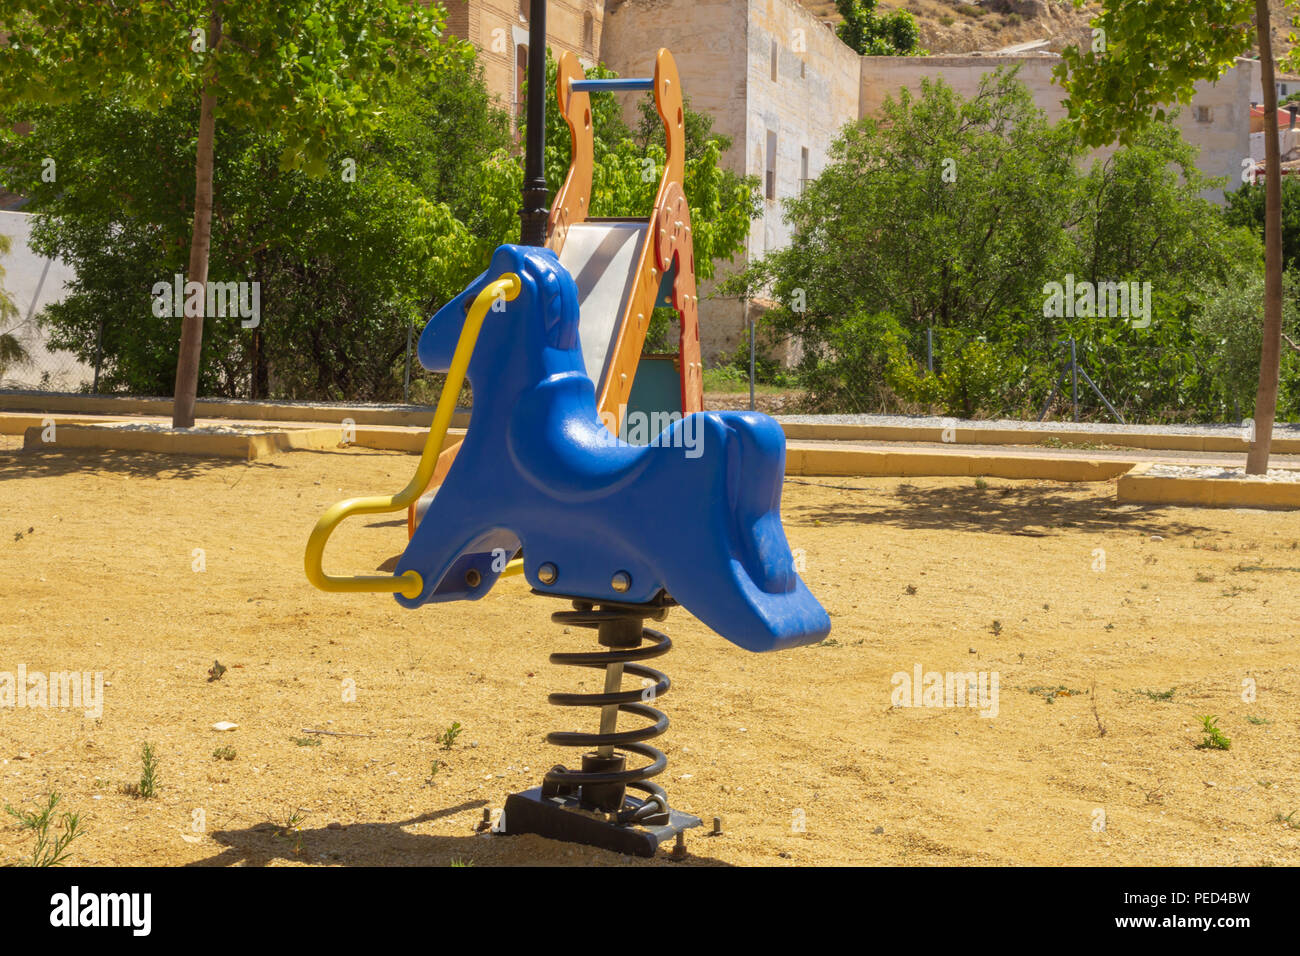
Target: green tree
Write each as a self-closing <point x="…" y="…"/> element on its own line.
<point x="315" y="73"/>
<point x="877" y="34"/>
<point x="1145" y="54"/>
<point x="346" y="263"/>
<point x="1142" y="219"/>
<point x="1227" y="323"/>
<point x="940" y="213"/>
<point x="955" y="217"/>
<point x="1246" y="207"/>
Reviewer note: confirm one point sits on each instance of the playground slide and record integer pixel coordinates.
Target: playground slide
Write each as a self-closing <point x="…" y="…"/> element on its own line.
<point x="620" y="276"/>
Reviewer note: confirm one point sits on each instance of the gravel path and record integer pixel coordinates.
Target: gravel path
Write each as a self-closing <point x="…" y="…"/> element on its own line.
<point x="1210" y="471"/>
<point x="1168" y="456"/>
<point x="1280" y="430"/>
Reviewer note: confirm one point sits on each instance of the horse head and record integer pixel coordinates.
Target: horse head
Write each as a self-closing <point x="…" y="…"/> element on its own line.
<point x="523" y="341"/>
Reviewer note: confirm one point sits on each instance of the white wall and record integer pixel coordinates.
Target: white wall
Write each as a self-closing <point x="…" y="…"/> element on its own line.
<point x="32" y="283"/>
<point x="812" y="98"/>
<point x="1217" y="121"/>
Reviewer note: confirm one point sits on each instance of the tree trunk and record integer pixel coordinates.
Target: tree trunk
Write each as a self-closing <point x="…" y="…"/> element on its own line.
<point x="261" y="377"/>
<point x="1270" y="353"/>
<point x="187" y="365"/>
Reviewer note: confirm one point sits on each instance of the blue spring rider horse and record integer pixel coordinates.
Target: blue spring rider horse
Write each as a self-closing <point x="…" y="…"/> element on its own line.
<point x="694" y="515"/>
<point x="622" y="531"/>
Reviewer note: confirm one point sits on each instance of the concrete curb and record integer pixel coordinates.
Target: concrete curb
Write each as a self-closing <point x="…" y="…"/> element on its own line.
<point x="17" y="424"/>
<point x="384" y="439"/>
<point x="1028" y="436"/>
<point x="247" y="447"/>
<point x="819" y="460"/>
<point x="1138" y="487"/>
<point x="421" y="417"/>
<point x="801" y="459"/>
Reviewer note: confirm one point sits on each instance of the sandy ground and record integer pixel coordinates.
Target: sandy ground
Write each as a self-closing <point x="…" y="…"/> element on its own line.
<point x="1092" y="757"/>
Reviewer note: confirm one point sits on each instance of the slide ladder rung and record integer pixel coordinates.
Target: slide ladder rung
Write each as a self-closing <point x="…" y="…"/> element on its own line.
<point x="619" y="85"/>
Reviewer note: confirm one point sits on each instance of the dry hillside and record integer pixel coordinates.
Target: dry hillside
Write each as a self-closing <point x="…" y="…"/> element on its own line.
<point x="963" y="26"/>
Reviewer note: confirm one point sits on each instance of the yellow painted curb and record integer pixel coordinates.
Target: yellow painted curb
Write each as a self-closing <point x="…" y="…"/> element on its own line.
<point x="16" y="424"/>
<point x="208" y="444"/>
<point x="819" y="460"/>
<point x="408" y="440"/>
<point x="226" y="445"/>
<point x="1012" y="436"/>
<point x="240" y="411"/>
<point x="1138" y="487"/>
<point x="388" y="417"/>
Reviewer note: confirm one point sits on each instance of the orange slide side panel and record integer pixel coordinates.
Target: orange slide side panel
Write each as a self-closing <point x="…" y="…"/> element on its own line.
<point x="572" y="203"/>
<point x="669" y="239"/>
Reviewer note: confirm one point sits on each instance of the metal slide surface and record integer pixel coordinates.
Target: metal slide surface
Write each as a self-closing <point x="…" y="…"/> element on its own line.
<point x="602" y="256"/>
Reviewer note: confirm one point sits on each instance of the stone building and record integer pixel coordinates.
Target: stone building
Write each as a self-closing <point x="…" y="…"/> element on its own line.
<point x="499" y="31"/>
<point x="781" y="85"/>
<point x="774" y="78"/>
<point x="1217" y="121"/>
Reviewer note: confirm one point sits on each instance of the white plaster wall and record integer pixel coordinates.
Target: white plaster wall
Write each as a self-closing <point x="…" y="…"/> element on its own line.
<point x="33" y="282"/>
<point x="708" y="40"/>
<point x="806" y="106"/>
<point x="1223" y="137"/>
<point x="1224" y="141"/>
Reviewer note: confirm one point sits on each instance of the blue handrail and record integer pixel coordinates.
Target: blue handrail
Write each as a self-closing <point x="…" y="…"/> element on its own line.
<point x="620" y="85"/>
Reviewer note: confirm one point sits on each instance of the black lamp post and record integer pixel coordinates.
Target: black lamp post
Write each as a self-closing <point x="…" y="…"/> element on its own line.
<point x="533" y="214"/>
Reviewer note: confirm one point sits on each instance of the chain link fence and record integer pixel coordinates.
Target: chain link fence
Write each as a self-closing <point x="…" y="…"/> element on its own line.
<point x="371" y="360"/>
<point x="28" y="283"/>
<point x="26" y="364"/>
<point x="385" y="371"/>
<point x="868" y="368"/>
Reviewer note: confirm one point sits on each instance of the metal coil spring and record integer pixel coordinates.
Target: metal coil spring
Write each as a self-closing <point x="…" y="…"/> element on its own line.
<point x="627" y="701"/>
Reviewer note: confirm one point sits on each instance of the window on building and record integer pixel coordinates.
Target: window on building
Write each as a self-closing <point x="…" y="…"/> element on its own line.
<point x="803" y="69"/>
<point x="521" y="76"/>
<point x="774" y="61"/>
<point x="588" y="33"/>
<point x="523" y="9"/>
<point x="803" y="168"/>
<point x="1204" y="114"/>
<point x="770" y="165"/>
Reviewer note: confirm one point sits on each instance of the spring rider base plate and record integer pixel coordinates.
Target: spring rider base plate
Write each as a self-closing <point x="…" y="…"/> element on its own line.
<point x="561" y="817"/>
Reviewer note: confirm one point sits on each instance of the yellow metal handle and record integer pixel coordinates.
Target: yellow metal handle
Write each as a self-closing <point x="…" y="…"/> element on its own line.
<point x="409" y="584"/>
